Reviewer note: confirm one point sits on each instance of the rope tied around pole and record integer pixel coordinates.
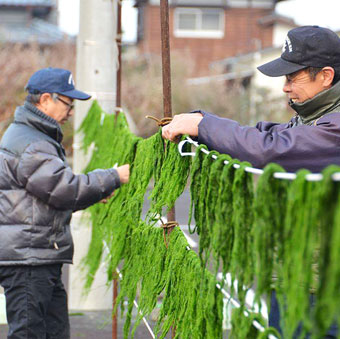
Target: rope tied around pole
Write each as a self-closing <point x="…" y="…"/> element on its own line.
<point x="161" y="122"/>
<point x="167" y="227"/>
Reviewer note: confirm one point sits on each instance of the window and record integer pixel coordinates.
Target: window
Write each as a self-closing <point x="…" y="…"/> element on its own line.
<point x="199" y="23"/>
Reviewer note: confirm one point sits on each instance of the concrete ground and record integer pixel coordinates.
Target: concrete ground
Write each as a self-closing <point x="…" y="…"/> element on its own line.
<point x="94" y="325"/>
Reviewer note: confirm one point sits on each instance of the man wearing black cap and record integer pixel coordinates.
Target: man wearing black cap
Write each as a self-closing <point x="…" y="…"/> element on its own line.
<point x="38" y="193"/>
<point x="311" y="63"/>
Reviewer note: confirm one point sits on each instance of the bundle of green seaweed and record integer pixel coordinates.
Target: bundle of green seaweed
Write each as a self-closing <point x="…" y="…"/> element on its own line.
<point x="193" y="305"/>
<point x="242" y="264"/>
<point x="125" y="210"/>
<point x="327" y="308"/>
<point x="300" y="247"/>
<point x="223" y="197"/>
<point x="223" y="227"/>
<point x="270" y="210"/>
<point x="113" y="143"/>
<point x="195" y="187"/>
<point x="171" y="180"/>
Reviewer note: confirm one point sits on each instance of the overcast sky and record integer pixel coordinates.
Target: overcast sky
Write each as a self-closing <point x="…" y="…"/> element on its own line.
<point x="305" y="12"/>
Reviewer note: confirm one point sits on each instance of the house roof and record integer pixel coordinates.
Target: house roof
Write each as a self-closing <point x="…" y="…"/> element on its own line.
<point x="27" y="3"/>
<point x="38" y="31"/>
<point x="276" y="18"/>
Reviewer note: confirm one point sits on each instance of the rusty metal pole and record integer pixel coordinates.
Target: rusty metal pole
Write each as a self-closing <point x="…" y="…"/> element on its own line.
<point x="166" y="75"/>
<point x="119" y="43"/>
<point x="118" y="104"/>
<point x="166" y="70"/>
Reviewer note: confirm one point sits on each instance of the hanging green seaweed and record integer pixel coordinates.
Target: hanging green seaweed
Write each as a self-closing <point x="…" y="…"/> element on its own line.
<point x="194" y="306"/>
<point x="89" y="126"/>
<point x="270" y="209"/>
<point x="195" y="186"/>
<point x="328" y="300"/>
<point x="124" y="213"/>
<point x="224" y="214"/>
<point x="223" y="227"/>
<point x="171" y="181"/>
<point x="300" y="246"/>
<point x="203" y="208"/>
<point x="241" y="267"/>
<point x="109" y="130"/>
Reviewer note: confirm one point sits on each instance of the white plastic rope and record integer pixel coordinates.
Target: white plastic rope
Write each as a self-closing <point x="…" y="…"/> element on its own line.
<point x="257" y="171"/>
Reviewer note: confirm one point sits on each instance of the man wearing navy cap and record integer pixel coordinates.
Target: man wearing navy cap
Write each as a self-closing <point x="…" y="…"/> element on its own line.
<point x="310" y="61"/>
<point x="38" y="193"/>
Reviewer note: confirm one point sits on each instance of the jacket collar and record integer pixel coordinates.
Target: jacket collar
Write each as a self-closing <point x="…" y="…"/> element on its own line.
<point x="327" y="101"/>
<point x="30" y="115"/>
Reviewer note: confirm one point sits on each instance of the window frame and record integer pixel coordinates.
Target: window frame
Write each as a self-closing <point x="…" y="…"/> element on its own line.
<point x="198" y="33"/>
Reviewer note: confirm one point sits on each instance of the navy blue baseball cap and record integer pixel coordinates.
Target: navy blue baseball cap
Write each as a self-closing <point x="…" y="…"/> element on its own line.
<point x="54" y="80"/>
<point x="305" y="46"/>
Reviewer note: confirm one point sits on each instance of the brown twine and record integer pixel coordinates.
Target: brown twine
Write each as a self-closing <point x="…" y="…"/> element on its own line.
<point x="161" y="122"/>
<point x="167" y="228"/>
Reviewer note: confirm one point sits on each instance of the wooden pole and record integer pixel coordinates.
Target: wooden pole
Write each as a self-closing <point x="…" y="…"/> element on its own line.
<point x="166" y="75"/>
<point x="118" y="104"/>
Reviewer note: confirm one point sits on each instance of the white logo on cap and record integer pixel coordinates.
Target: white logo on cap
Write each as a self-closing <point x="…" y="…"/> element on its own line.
<point x="287" y="44"/>
<point x="70" y="80"/>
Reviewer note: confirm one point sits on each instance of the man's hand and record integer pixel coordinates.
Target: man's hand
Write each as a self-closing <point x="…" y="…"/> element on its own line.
<point x="186" y="123"/>
<point x="124" y="173"/>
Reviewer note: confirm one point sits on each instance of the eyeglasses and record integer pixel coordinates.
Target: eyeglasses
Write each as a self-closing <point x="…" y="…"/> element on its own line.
<point x="70" y="106"/>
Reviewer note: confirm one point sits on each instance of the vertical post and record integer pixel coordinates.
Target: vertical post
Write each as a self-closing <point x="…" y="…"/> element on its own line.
<point x="119" y="44"/>
<point x="118" y="103"/>
<point x="166" y="75"/>
<point x="96" y="75"/>
<point x="166" y="70"/>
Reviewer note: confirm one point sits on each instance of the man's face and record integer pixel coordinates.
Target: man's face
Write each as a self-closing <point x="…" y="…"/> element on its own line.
<point x="60" y="109"/>
<point x="300" y="87"/>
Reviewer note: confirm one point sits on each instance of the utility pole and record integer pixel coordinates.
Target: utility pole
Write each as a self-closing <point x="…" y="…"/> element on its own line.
<point x="97" y="63"/>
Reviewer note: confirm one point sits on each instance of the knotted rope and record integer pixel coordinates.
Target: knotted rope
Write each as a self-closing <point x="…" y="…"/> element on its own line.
<point x="161" y="122"/>
<point x="167" y="228"/>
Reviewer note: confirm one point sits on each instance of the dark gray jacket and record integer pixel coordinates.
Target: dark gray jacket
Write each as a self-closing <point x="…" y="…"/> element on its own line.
<point x="310" y="140"/>
<point x="39" y="192"/>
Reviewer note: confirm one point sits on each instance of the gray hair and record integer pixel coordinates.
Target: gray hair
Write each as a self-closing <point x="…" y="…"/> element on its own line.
<point x="35" y="98"/>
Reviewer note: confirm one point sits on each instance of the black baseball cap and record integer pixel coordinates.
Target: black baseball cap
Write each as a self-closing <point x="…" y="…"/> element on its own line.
<point x="54" y="80"/>
<point x="306" y="46"/>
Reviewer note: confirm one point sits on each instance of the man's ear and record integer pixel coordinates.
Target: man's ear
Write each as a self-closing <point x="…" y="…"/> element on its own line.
<point x="45" y="97"/>
<point x="44" y="101"/>
<point x="328" y="76"/>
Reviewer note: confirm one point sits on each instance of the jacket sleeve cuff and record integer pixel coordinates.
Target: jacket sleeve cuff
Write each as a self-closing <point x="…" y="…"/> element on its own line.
<point x="116" y="181"/>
